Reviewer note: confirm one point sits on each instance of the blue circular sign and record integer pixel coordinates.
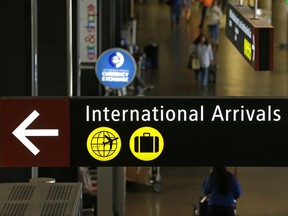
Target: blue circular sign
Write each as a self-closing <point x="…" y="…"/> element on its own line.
<point x="116" y="68"/>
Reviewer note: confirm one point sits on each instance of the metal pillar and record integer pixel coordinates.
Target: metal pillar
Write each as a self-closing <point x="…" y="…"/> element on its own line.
<point x="280" y="22"/>
<point x="34" y="47"/>
<point x="34" y="61"/>
<point x="255" y="8"/>
<point x="265" y="4"/>
<point x="69" y="49"/>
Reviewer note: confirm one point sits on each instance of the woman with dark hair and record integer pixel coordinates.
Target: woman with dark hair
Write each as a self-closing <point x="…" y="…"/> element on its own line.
<point x="205" y="55"/>
<point x="223" y="190"/>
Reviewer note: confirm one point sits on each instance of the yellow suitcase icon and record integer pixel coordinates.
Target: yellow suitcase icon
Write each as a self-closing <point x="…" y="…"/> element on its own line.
<point x="146" y="143"/>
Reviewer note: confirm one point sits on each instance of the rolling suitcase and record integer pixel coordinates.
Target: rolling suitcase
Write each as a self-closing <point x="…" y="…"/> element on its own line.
<point x="212" y="73"/>
<point x="152" y="56"/>
<point x="203" y="206"/>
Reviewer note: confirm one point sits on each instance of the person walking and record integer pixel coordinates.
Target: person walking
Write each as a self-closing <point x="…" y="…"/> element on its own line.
<point x="187" y="10"/>
<point x="223" y="190"/>
<point x="214" y="14"/>
<point x="205" y="55"/>
<point x="205" y="5"/>
<point x="175" y="10"/>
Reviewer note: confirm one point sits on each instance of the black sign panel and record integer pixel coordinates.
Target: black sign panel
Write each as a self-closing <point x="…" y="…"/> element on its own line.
<point x="253" y="37"/>
<point x="192" y="131"/>
<point x="144" y="131"/>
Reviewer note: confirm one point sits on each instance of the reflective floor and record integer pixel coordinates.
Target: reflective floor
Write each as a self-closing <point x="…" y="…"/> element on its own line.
<point x="264" y="192"/>
<point x="265" y="188"/>
<point x="235" y="76"/>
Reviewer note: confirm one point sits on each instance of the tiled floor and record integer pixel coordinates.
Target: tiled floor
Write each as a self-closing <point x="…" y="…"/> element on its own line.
<point x="265" y="188"/>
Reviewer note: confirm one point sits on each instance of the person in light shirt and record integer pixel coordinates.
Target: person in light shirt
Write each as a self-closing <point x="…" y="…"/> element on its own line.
<point x="214" y="14"/>
<point x="206" y="57"/>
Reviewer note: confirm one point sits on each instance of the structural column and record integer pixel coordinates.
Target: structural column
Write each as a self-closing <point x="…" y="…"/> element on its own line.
<point x="111" y="191"/>
<point x="105" y="191"/>
<point x="280" y="22"/>
<point x="265" y="4"/>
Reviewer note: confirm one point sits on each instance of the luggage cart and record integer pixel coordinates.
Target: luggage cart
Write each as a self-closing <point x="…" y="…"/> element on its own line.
<point x="155" y="179"/>
<point x="202" y="210"/>
<point x="147" y="176"/>
<point x="152" y="56"/>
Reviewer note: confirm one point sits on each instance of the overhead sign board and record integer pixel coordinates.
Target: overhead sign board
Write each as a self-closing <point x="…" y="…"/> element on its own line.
<point x="34" y="132"/>
<point x="116" y="68"/>
<point x="132" y="131"/>
<point x="253" y="37"/>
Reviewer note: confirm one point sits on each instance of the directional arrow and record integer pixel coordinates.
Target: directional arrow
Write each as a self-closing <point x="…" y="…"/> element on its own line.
<point x="21" y="132"/>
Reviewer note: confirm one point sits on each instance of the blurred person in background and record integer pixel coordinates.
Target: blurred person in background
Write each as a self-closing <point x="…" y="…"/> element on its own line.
<point x="214" y="14"/>
<point x="205" y="4"/>
<point x="175" y="11"/>
<point x="187" y="10"/>
<point x="89" y="189"/>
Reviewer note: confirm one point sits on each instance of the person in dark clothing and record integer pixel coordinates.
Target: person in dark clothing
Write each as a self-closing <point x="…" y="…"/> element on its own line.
<point x="223" y="190"/>
<point x="205" y="5"/>
<point x="175" y="11"/>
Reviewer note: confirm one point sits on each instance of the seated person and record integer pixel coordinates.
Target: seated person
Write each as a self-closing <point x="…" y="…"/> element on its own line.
<point x="89" y="188"/>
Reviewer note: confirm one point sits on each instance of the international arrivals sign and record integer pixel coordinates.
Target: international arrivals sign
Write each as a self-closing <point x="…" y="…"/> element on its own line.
<point x="146" y="131"/>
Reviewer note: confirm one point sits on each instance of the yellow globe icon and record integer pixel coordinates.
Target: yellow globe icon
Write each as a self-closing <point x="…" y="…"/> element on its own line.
<point x="103" y="144"/>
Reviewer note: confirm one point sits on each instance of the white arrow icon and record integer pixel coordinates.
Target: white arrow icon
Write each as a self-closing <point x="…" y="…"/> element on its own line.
<point x="21" y="132"/>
